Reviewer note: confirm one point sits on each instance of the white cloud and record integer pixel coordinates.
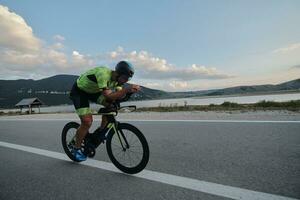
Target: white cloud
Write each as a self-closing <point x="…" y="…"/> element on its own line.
<point x="59" y="38"/>
<point x="21" y="52"/>
<point x="76" y="53"/>
<point x="120" y="49"/>
<point x="55" y="58"/>
<point x="290" y="48"/>
<point x="179" y="85"/>
<point x="57" y="46"/>
<point x="79" y="60"/>
<point x="150" y="67"/>
<point x="151" y="85"/>
<point x="15" y="33"/>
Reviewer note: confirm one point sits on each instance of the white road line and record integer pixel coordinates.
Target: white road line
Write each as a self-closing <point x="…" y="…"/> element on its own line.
<point x="217" y="121"/>
<point x="157" y="120"/>
<point x="184" y="182"/>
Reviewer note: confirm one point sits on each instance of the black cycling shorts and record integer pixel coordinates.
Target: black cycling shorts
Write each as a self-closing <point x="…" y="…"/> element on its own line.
<point x="81" y="100"/>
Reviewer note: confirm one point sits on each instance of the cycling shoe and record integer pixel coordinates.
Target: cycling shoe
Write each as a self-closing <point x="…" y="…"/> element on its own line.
<point x="78" y="155"/>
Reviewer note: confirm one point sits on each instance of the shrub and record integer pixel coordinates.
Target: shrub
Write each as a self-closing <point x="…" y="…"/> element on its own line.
<point x="265" y="103"/>
<point x="229" y="104"/>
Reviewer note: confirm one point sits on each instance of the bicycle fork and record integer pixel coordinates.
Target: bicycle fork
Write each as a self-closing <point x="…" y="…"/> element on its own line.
<point x="120" y="134"/>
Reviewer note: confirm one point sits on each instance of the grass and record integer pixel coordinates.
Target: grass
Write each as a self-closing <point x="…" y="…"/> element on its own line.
<point x="230" y="106"/>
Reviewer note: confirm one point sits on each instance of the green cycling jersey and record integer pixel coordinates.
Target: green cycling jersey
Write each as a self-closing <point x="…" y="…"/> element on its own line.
<point x="96" y="80"/>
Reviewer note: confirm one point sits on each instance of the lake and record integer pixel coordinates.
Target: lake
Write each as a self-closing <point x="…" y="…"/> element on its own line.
<point x="182" y="101"/>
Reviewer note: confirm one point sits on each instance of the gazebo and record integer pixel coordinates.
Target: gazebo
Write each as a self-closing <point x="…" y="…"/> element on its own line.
<point x="30" y="103"/>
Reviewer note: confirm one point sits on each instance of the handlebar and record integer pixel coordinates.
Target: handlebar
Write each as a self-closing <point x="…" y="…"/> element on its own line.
<point x="126" y="98"/>
<point x="116" y="105"/>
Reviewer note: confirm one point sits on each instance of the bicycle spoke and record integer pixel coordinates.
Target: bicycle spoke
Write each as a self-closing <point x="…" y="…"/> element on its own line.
<point x="71" y="138"/>
<point x="130" y="140"/>
<point x="129" y="158"/>
<point x="135" y="142"/>
<point x="136" y="152"/>
<point x="138" y="157"/>
<point x="117" y="149"/>
<point x="127" y="149"/>
<point x="116" y="145"/>
<point x="124" y="156"/>
<point x="137" y="146"/>
<point x="119" y="153"/>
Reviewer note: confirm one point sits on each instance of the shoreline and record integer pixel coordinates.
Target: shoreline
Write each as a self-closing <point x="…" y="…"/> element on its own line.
<point x="191" y="97"/>
<point x="248" y="94"/>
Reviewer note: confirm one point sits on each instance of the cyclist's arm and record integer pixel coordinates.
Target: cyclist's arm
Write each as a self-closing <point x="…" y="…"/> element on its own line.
<point x="112" y="96"/>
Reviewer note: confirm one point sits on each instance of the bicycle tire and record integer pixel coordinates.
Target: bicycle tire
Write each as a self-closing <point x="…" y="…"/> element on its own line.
<point x="64" y="133"/>
<point x="145" y="157"/>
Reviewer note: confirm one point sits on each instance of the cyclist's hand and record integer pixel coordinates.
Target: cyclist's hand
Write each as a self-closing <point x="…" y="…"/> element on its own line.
<point x="134" y="89"/>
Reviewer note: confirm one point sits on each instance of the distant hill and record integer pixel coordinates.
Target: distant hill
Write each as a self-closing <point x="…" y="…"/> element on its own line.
<point x="54" y="90"/>
<point x="291" y="85"/>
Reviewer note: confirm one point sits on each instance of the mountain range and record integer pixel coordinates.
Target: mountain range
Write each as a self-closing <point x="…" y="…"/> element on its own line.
<point x="54" y="90"/>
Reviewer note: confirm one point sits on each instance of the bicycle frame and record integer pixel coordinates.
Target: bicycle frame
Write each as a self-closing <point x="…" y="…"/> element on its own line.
<point x="113" y="126"/>
<point x="113" y="133"/>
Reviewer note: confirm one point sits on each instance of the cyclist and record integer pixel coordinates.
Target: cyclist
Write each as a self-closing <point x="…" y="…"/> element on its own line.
<point x="103" y="86"/>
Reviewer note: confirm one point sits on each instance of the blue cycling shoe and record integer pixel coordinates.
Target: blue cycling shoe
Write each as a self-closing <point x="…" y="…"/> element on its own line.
<point x="79" y="156"/>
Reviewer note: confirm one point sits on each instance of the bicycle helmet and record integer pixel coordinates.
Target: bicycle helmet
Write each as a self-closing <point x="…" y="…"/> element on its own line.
<point x="125" y="68"/>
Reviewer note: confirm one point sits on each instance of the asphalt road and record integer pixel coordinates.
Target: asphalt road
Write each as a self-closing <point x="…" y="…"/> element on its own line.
<point x="263" y="157"/>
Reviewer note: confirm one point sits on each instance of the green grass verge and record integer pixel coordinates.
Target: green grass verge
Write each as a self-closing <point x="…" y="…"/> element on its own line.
<point x="230" y="106"/>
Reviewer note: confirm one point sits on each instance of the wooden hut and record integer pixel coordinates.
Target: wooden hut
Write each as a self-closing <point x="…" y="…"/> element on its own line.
<point x="30" y="103"/>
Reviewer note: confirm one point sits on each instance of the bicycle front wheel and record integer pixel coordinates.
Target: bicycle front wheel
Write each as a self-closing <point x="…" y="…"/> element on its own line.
<point x="128" y="149"/>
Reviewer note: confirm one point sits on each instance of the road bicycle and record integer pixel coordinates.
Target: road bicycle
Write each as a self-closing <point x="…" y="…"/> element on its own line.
<point x="126" y="145"/>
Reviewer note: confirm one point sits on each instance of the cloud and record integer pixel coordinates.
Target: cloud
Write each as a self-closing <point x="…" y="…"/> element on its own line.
<point x="81" y="60"/>
<point x="17" y="60"/>
<point x="151" y="85"/>
<point x="57" y="46"/>
<point x="179" y="85"/>
<point x="290" y="48"/>
<point x="59" y="38"/>
<point x="23" y="53"/>
<point x="150" y="67"/>
<point x="21" y="50"/>
<point x="15" y="33"/>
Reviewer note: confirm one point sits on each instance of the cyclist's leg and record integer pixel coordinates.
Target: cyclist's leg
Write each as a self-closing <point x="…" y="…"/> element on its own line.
<point x="86" y="123"/>
<point x="104" y="122"/>
<point x="103" y="101"/>
<point x="81" y="103"/>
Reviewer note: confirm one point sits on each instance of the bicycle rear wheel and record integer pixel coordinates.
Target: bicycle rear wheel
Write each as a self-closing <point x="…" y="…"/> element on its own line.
<point x="128" y="149"/>
<point x="68" y="138"/>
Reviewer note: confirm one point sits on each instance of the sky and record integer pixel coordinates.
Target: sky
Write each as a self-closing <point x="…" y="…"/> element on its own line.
<point x="174" y="45"/>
